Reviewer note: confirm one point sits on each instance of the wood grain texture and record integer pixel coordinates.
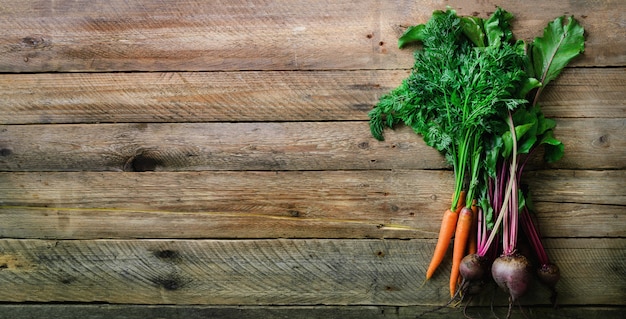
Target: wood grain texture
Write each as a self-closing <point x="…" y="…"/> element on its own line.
<point x="193" y="96"/>
<point x="191" y="35"/>
<point x="563" y="220"/>
<point x="589" y="144"/>
<point x="212" y="146"/>
<point x="258" y="96"/>
<point x="78" y="311"/>
<point x="276" y="272"/>
<point x="193" y="159"/>
<point x="319" y="204"/>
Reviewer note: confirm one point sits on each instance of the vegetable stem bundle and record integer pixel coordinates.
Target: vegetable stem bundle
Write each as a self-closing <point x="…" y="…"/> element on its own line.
<point x="473" y="94"/>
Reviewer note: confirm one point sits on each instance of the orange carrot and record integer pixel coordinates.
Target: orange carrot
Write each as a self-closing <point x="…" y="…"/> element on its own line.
<point x="446" y="231"/>
<point x="448" y="225"/>
<point x="472" y="246"/>
<point x="461" y="236"/>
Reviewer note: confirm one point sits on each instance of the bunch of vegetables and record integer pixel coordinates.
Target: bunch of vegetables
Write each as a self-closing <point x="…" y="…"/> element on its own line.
<point x="473" y="94"/>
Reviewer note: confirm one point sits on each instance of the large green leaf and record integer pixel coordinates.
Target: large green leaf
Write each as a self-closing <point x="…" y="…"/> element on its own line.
<point x="559" y="45"/>
<point x="498" y="28"/>
<point x="412" y="34"/>
<point x="554" y="149"/>
<point x="520" y="130"/>
<point x="474" y="30"/>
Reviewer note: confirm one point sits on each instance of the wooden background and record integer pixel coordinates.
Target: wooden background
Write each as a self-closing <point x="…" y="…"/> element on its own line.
<point x="194" y="159"/>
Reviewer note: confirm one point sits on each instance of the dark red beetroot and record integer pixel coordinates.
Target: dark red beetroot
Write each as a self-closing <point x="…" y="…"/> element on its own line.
<point x="473" y="267"/>
<point x="512" y="274"/>
<point x="549" y="274"/>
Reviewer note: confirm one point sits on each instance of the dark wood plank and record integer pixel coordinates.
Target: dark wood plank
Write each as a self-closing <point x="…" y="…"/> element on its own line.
<point x="258" y="96"/>
<point x="77" y="311"/>
<point x="277" y="272"/>
<point x="192" y="35"/>
<point x="316" y="204"/>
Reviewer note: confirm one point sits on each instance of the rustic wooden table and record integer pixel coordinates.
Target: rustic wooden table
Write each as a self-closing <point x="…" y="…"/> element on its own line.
<point x="194" y="159"/>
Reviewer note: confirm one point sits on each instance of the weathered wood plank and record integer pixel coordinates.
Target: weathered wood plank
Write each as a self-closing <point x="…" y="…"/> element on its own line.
<point x="590" y="141"/>
<point x="581" y="92"/>
<point x="193" y="96"/>
<point x="77" y="311"/>
<point x="589" y="144"/>
<point x="554" y="220"/>
<point x="258" y="96"/>
<point x="277" y="272"/>
<point x="44" y="36"/>
<point x="321" y="204"/>
<point x="561" y="186"/>
<point x="212" y="146"/>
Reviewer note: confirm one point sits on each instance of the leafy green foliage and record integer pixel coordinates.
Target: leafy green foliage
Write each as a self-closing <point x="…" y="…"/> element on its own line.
<point x="469" y="78"/>
<point x="458" y="87"/>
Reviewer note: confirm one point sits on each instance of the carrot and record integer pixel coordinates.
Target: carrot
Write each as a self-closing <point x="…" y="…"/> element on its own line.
<point x="461" y="236"/>
<point x="446" y="231"/>
<point x="472" y="245"/>
<point x="448" y="225"/>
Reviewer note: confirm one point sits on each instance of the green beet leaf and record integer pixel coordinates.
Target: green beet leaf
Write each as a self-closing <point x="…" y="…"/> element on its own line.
<point x="498" y="27"/>
<point x="412" y="34"/>
<point x="559" y="45"/>
<point x="474" y="30"/>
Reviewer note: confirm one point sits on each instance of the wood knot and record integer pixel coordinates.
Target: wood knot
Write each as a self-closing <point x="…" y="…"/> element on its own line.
<point x="6" y="152"/>
<point x="170" y="282"/>
<point x="602" y="141"/>
<point x="142" y="162"/>
<point x="36" y="42"/>
<point x="167" y="254"/>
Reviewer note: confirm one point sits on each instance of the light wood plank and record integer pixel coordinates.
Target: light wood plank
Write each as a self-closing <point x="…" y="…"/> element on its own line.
<point x="192" y="35"/>
<point x="561" y="186"/>
<point x="592" y="143"/>
<point x="553" y="220"/>
<point x="211" y="146"/>
<point x="277" y="272"/>
<point x="582" y="92"/>
<point x="247" y="204"/>
<point x="77" y="311"/>
<point x="193" y="96"/>
<point x="324" y="204"/>
<point x="258" y="96"/>
<point x="589" y="144"/>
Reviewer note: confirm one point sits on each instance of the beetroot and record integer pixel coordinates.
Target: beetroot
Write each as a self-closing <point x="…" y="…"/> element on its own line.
<point x="473" y="267"/>
<point x="549" y="274"/>
<point x="512" y="274"/>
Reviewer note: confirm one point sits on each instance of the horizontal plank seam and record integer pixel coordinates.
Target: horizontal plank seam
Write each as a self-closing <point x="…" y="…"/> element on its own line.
<point x="186" y="239"/>
<point x="268" y="70"/>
